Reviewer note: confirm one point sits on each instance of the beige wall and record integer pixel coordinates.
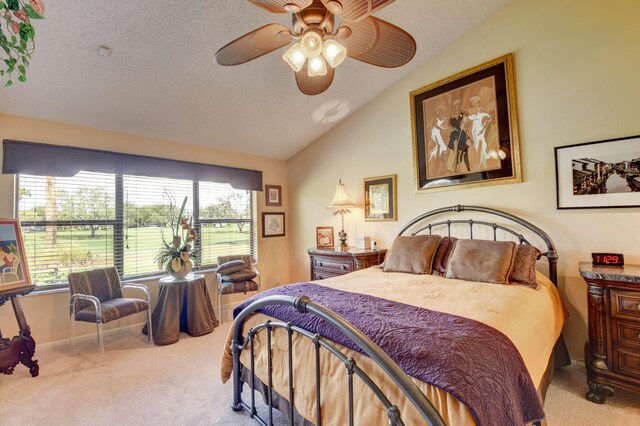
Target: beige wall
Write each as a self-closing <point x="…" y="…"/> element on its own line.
<point x="48" y="314"/>
<point x="576" y="68"/>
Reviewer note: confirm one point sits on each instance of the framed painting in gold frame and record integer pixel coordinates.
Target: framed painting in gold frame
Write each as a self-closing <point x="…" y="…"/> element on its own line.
<point x="465" y="129"/>
<point x="380" y="198"/>
<point x="14" y="269"/>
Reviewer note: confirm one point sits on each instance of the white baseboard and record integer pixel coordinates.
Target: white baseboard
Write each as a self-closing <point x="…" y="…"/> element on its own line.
<point x="84" y="338"/>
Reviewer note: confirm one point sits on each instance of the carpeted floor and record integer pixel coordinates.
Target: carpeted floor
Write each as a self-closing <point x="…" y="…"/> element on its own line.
<point x="134" y="384"/>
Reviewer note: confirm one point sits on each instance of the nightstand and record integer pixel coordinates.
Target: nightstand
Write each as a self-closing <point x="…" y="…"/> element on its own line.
<point x="612" y="355"/>
<point x="327" y="263"/>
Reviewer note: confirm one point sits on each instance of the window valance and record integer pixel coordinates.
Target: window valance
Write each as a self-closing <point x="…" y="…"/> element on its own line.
<point x="54" y="160"/>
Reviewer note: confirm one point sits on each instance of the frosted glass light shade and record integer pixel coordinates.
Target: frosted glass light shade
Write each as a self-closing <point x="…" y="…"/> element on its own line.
<point x="294" y="57"/>
<point x="317" y="66"/>
<point x="333" y="52"/>
<point x="311" y="44"/>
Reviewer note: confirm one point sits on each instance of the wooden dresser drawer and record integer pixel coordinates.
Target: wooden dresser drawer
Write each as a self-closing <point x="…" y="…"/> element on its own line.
<point x="626" y="333"/>
<point x="332" y="264"/>
<point x="627" y="362"/>
<point x="625" y="304"/>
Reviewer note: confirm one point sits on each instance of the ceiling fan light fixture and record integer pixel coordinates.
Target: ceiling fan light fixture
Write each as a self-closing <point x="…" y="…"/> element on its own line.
<point x="333" y="52"/>
<point x="294" y="57"/>
<point x="317" y="67"/>
<point x="311" y="44"/>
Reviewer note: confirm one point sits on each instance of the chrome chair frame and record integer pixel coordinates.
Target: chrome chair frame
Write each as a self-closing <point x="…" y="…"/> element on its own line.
<point x="219" y="280"/>
<point x="98" y="307"/>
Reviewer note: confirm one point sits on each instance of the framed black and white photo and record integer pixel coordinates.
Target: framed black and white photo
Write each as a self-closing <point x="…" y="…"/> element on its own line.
<point x="598" y="174"/>
<point x="273" y="195"/>
<point x="272" y="224"/>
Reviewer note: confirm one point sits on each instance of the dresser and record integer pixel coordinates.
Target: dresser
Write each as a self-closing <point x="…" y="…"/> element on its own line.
<point x="612" y="355"/>
<point x="327" y="263"/>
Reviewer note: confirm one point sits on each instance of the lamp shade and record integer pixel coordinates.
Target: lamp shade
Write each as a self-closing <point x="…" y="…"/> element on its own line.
<point x="341" y="202"/>
<point x="294" y="57"/>
<point x="333" y="52"/>
<point x="317" y="66"/>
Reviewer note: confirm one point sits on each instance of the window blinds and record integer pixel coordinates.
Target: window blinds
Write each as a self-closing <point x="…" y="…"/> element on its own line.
<point x="94" y="220"/>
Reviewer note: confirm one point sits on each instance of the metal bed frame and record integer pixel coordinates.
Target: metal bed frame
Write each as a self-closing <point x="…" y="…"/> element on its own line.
<point x="305" y="305"/>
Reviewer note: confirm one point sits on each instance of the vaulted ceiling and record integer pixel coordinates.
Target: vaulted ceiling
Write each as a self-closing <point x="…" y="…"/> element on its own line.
<point x="161" y="81"/>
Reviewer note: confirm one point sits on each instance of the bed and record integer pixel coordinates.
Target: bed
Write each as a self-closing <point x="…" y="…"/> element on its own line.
<point x="287" y="347"/>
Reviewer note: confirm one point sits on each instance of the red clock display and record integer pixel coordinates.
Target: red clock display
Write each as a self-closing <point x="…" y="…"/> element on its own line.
<point x="607" y="259"/>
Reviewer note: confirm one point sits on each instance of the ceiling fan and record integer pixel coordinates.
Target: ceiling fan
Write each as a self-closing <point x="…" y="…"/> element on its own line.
<point x="321" y="45"/>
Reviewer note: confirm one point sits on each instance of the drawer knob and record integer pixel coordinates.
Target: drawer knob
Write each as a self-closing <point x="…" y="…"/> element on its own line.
<point x="319" y="263"/>
<point x="345" y="267"/>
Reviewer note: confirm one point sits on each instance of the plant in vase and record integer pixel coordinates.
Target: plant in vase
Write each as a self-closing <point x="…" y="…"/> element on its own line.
<point x="179" y="257"/>
<point x="17" y="37"/>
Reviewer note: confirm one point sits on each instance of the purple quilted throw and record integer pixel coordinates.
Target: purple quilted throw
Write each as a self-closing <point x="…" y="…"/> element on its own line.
<point x="470" y="360"/>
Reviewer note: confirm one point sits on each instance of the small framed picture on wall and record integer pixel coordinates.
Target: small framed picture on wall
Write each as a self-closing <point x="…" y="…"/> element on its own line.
<point x="273" y="195"/>
<point x="324" y="237"/>
<point x="380" y="198"/>
<point x="272" y="224"/>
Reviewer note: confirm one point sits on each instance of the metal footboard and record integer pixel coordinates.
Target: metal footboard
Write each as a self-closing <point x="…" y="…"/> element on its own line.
<point x="305" y="305"/>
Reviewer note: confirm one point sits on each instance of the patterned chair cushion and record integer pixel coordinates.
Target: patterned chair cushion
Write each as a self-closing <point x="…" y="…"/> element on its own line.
<point x="227" y="287"/>
<point x="113" y="309"/>
<point x="244" y="275"/>
<point x="101" y="283"/>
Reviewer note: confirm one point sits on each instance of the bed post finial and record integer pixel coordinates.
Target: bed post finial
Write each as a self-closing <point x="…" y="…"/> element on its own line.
<point x="300" y="303"/>
<point x="458" y="208"/>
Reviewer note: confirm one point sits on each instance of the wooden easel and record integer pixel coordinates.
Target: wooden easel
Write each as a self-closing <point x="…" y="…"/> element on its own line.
<point x="20" y="348"/>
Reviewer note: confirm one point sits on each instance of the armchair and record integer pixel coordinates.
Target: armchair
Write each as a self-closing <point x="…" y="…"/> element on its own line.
<point x="96" y="296"/>
<point x="240" y="280"/>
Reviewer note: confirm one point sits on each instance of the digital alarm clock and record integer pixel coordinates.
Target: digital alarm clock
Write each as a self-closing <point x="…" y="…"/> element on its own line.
<point x="607" y="259"/>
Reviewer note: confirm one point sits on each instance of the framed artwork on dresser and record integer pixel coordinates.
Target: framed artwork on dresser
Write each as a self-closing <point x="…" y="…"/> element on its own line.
<point x="324" y="237"/>
<point x="465" y="129"/>
<point x="601" y="174"/>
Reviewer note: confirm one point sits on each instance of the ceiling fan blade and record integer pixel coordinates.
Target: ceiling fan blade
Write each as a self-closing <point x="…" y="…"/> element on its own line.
<point x="379" y="43"/>
<point x="355" y="10"/>
<point x="314" y="85"/>
<point x="253" y="45"/>
<point x="278" y="6"/>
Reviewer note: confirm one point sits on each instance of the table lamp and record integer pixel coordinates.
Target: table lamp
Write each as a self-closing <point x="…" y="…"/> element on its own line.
<point x="341" y="205"/>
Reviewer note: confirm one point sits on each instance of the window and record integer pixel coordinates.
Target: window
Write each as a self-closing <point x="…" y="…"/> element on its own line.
<point x="94" y="220"/>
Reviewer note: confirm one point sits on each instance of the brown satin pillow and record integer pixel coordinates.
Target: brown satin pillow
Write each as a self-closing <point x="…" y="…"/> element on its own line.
<point x="441" y="258"/>
<point x="524" y="266"/>
<point x="411" y="254"/>
<point x="481" y="260"/>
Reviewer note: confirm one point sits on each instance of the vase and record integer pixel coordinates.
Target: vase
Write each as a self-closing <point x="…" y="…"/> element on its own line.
<point x="182" y="272"/>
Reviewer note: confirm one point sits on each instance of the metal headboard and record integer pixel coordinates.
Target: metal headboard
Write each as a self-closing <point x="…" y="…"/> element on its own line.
<point x="551" y="254"/>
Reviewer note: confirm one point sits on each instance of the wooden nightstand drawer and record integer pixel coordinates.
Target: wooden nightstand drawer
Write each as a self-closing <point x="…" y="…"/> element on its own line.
<point x="323" y="275"/>
<point x="333" y="264"/>
<point x="327" y="263"/>
<point x="627" y="362"/>
<point x="626" y="333"/>
<point x="625" y="304"/>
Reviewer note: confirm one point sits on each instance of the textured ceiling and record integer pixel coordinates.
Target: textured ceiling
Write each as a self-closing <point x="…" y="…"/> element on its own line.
<point x="161" y="80"/>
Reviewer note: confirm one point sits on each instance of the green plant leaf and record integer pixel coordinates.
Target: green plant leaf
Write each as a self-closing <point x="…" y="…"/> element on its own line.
<point x="22" y="78"/>
<point x="32" y="13"/>
<point x="8" y="83"/>
<point x="13" y="5"/>
<point x="22" y="69"/>
<point x="184" y="203"/>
